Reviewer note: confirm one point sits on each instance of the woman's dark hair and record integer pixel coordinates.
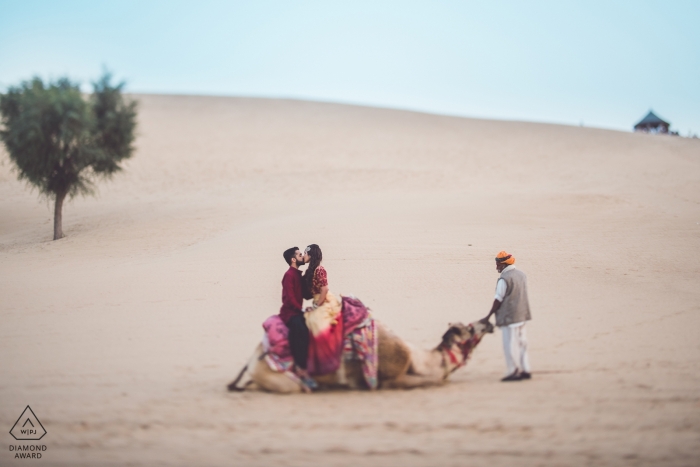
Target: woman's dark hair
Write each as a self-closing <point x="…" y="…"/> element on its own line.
<point x="315" y="258"/>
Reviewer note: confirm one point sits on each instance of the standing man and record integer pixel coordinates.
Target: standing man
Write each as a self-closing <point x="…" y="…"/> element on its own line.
<point x="512" y="311"/>
<point x="292" y="313"/>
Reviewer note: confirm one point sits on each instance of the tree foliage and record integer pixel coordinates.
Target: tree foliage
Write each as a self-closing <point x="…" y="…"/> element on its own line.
<point x="62" y="141"/>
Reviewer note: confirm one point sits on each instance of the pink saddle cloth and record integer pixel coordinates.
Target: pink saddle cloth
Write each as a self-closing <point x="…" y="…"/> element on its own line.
<point x="355" y="313"/>
<point x="277" y="337"/>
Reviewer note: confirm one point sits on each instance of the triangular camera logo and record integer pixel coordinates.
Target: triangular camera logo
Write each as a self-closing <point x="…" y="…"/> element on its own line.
<point x="28" y="427"/>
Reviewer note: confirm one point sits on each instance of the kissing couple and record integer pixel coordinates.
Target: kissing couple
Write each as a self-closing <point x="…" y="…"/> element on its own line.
<point x="315" y="332"/>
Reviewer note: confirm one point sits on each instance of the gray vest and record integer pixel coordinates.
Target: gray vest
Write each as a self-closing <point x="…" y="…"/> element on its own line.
<point x="514" y="307"/>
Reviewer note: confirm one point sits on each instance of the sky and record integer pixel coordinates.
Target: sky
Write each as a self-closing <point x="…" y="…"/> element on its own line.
<point x="594" y="63"/>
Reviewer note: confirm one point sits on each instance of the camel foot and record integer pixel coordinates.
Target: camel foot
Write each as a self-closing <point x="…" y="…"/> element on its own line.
<point x="232" y="387"/>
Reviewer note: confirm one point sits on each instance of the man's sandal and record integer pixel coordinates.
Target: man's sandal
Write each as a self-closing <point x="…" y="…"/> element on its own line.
<point x="512" y="377"/>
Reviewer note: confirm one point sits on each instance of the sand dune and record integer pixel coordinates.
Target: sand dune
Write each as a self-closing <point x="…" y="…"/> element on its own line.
<point x="122" y="335"/>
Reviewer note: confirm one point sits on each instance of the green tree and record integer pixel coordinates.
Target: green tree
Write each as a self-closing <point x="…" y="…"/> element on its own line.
<point x="62" y="141"/>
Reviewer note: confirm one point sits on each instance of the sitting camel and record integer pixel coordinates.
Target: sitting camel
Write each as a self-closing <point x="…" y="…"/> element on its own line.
<point x="401" y="365"/>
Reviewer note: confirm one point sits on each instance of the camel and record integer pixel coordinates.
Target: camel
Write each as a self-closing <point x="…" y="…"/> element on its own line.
<point x="401" y="365"/>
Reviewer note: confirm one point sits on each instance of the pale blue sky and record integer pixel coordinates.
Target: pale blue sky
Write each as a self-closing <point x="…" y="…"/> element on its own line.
<point x="603" y="63"/>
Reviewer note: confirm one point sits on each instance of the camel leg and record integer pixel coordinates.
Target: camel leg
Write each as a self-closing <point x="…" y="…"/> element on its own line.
<point x="245" y="376"/>
<point x="257" y="374"/>
<point x="411" y="381"/>
<point x="269" y="380"/>
<point x="233" y="386"/>
<point x="348" y="376"/>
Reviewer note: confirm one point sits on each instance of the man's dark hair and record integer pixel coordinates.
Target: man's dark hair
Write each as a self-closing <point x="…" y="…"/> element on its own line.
<point x="289" y="254"/>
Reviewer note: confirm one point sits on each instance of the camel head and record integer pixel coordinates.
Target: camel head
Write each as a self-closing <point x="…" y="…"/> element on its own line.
<point x="458" y="333"/>
<point x="482" y="327"/>
<point x="463" y="339"/>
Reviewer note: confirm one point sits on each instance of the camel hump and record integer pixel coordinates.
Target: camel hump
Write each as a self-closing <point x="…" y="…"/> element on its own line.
<point x="394" y="354"/>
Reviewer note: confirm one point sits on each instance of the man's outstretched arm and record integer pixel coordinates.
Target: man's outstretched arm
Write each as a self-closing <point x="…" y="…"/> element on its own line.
<point x="498" y="299"/>
<point x="494" y="308"/>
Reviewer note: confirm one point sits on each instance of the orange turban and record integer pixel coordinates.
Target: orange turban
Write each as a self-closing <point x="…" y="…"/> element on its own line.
<point x="505" y="257"/>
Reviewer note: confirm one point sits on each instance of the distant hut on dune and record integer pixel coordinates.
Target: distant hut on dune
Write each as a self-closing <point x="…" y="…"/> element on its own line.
<point x="652" y="124"/>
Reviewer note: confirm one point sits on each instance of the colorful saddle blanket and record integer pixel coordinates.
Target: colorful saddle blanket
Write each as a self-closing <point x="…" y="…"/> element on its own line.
<point x="359" y="342"/>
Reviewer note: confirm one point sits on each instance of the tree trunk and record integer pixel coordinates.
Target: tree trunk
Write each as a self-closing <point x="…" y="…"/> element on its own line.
<point x="58" y="216"/>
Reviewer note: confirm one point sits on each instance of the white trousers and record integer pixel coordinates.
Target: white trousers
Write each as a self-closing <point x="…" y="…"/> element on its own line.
<point x="515" y="348"/>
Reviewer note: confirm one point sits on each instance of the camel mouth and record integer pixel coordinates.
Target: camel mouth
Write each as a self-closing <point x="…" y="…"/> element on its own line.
<point x="488" y="326"/>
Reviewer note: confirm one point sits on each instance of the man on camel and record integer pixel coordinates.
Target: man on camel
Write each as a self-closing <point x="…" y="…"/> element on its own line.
<point x="293" y="315"/>
<point x="512" y="311"/>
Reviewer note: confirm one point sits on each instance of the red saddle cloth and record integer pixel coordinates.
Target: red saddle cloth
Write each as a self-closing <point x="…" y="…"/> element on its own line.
<point x="326" y="349"/>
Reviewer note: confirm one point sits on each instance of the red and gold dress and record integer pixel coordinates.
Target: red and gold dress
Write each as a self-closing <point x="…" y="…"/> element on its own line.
<point x="326" y="328"/>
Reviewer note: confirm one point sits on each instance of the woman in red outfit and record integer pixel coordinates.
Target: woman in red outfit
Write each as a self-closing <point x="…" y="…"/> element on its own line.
<point x="323" y="318"/>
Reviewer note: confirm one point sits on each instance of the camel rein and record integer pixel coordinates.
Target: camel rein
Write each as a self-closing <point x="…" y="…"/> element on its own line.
<point x="465" y="348"/>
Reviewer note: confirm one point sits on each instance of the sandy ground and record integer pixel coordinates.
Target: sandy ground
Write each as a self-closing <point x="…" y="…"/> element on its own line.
<point x="123" y="335"/>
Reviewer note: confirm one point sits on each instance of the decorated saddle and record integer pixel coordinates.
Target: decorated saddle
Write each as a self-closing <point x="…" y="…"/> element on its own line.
<point x="352" y="336"/>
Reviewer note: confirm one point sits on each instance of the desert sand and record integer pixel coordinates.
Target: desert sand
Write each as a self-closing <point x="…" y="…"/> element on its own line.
<point x="123" y="335"/>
